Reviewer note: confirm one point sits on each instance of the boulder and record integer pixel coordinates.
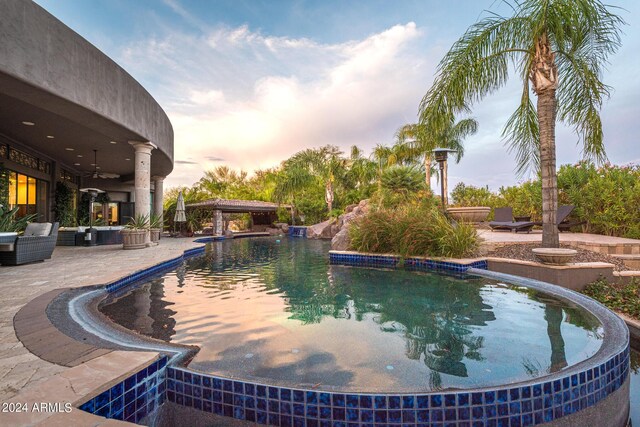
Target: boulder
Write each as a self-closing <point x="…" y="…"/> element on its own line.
<point x="282" y="226"/>
<point x="273" y="231"/>
<point x="340" y="241"/>
<point x="322" y="230"/>
<point x="350" y="208"/>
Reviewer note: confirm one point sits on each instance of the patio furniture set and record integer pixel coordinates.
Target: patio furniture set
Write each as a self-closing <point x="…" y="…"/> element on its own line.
<point x="36" y="244"/>
<point x="505" y="220"/>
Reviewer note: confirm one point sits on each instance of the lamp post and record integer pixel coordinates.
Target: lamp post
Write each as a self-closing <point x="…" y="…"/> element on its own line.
<point x="88" y="235"/>
<point x="441" y="157"/>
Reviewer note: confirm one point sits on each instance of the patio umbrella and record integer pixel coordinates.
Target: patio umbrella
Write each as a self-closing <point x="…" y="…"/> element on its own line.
<point x="179" y="215"/>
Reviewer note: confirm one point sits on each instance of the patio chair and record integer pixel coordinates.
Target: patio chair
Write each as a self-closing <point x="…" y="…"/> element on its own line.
<point x="562" y="221"/>
<point x="36" y="244"/>
<point x="503" y="220"/>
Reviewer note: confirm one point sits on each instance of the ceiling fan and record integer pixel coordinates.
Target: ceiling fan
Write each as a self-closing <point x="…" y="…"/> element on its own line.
<point x="98" y="174"/>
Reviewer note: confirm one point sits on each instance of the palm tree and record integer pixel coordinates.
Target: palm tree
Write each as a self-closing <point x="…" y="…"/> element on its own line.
<point x="418" y="141"/>
<point x="361" y="173"/>
<point x="290" y="181"/>
<point x="422" y="143"/>
<point x="327" y="164"/>
<point x="558" y="48"/>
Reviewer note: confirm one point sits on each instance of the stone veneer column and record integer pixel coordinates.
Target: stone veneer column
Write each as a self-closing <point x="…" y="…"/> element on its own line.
<point x="158" y="190"/>
<point x="143" y="179"/>
<point x="217" y="223"/>
<point x="142" y="176"/>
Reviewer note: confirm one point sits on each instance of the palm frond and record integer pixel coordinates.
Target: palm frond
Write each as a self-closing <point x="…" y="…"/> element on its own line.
<point x="522" y="135"/>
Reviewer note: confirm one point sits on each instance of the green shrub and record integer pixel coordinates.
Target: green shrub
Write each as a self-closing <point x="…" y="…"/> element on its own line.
<point x="468" y="195"/>
<point x="525" y="199"/>
<point x="402" y="179"/>
<point x="412" y="230"/>
<point x="606" y="198"/>
<point x="63" y="205"/>
<point x="624" y="298"/>
<point x="4" y="186"/>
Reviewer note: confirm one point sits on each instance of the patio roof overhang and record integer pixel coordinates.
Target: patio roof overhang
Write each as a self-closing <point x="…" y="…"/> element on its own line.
<point x="73" y="98"/>
<point x="237" y="206"/>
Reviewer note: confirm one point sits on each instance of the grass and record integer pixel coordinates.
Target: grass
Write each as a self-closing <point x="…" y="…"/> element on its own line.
<point x="618" y="297"/>
<point x="412" y="230"/>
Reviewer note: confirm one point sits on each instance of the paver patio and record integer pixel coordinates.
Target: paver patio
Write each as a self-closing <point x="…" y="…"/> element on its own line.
<point x="70" y="267"/>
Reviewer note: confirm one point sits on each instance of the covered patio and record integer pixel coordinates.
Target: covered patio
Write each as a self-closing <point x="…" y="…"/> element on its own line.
<point x="263" y="214"/>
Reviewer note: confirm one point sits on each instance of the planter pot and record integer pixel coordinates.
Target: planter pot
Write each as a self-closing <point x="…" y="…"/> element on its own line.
<point x="134" y="239"/>
<point x="554" y="256"/>
<point x="470" y="213"/>
<point x="155" y="234"/>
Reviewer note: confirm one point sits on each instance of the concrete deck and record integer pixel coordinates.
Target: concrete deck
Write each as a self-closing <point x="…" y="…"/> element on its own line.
<point x="70" y="267"/>
<point x="615" y="246"/>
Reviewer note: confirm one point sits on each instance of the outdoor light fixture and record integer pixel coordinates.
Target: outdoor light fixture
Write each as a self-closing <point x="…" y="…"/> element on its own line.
<point x="92" y="192"/>
<point x="28" y="123"/>
<point x="441" y="157"/>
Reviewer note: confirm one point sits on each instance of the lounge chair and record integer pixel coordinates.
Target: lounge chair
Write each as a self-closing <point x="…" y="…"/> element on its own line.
<point x="503" y="220"/>
<point x="561" y="218"/>
<point x="36" y="244"/>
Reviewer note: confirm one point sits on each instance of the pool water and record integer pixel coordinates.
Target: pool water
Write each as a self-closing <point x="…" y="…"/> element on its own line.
<point x="276" y="311"/>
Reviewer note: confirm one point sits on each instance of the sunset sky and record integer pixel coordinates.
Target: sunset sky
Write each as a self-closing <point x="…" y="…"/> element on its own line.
<point x="249" y="83"/>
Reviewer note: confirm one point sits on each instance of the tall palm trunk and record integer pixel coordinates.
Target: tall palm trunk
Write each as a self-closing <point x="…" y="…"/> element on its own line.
<point x="328" y="196"/>
<point x="427" y="170"/>
<point x="445" y="183"/>
<point x="544" y="77"/>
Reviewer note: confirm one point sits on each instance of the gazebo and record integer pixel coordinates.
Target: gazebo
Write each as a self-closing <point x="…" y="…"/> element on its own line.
<point x="262" y="213"/>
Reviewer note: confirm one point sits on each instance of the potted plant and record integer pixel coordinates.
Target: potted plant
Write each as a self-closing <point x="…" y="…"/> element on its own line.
<point x="134" y="235"/>
<point x="155" y="227"/>
<point x="10" y="226"/>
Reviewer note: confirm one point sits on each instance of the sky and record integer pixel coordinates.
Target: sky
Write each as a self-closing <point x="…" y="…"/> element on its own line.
<point x="248" y="83"/>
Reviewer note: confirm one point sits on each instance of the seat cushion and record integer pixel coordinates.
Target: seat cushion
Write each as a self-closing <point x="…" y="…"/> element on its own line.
<point x="38" y="229"/>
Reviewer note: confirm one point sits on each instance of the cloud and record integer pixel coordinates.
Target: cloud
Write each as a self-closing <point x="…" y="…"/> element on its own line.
<point x="252" y="100"/>
<point x="185" y="162"/>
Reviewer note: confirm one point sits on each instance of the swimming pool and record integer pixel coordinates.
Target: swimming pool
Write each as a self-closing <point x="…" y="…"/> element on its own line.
<point x="570" y="389"/>
<point x="275" y="311"/>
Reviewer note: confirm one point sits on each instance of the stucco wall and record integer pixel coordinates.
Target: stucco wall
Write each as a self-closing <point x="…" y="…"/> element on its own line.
<point x="37" y="48"/>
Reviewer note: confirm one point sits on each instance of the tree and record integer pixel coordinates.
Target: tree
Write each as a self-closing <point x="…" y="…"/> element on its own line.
<point x="558" y="49"/>
<point x="290" y="181"/>
<point x="422" y="143"/>
<point x="327" y="164"/>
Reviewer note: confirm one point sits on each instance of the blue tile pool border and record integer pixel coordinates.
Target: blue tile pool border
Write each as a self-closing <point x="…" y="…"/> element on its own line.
<point x="133" y="398"/>
<point x="356" y="259"/>
<point x="525" y="404"/>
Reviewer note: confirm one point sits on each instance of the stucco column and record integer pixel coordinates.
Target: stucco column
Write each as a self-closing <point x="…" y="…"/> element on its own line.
<point x="158" y="190"/>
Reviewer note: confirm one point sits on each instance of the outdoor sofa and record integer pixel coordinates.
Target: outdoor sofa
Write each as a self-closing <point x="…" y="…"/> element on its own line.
<point x="36" y="244"/>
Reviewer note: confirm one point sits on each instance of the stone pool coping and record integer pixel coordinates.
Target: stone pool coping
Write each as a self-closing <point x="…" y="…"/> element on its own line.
<point x="74" y="386"/>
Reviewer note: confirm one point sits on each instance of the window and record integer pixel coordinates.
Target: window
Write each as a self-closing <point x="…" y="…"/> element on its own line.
<point x="28" y="194"/>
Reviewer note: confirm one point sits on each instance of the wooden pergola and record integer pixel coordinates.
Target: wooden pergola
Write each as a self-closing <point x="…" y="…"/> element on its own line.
<point x="262" y="213"/>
